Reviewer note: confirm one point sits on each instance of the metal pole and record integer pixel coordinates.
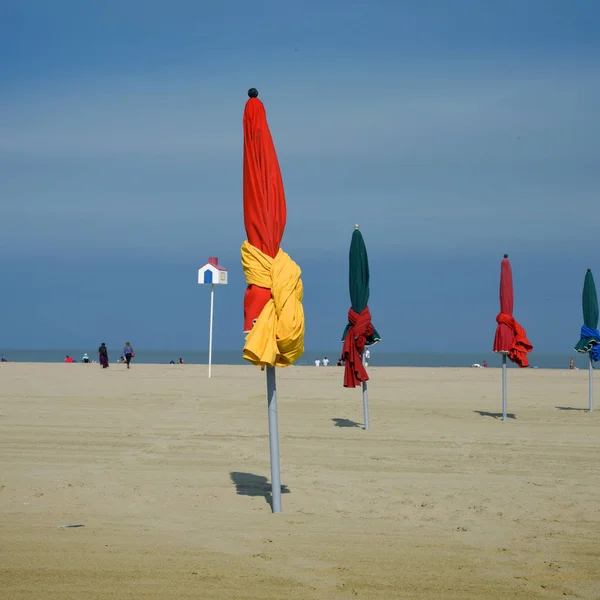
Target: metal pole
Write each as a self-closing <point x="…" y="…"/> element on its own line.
<point x="504" y="387"/>
<point x="212" y="302"/>
<point x="591" y="383"/>
<point x="365" y="397"/>
<point x="274" y="440"/>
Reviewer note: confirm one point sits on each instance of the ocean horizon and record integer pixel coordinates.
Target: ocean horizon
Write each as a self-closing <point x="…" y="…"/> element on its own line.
<point x="234" y="357"/>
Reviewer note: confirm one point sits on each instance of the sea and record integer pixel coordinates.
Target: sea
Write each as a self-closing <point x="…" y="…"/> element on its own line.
<point x="379" y="358"/>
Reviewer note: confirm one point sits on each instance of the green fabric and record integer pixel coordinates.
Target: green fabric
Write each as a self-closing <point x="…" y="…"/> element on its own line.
<point x="358" y="273"/>
<point x="359" y="281"/>
<point x="589" y="302"/>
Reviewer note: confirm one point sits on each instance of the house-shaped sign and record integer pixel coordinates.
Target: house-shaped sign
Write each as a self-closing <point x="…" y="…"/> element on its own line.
<point x="212" y="272"/>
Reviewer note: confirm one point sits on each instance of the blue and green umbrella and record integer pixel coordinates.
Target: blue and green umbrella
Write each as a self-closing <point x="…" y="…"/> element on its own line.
<point x="589" y="341"/>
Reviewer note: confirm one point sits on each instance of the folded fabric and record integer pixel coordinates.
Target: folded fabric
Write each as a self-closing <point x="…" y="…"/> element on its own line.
<point x="520" y="346"/>
<point x="360" y="329"/>
<point x="277" y="338"/>
<point x="589" y="342"/>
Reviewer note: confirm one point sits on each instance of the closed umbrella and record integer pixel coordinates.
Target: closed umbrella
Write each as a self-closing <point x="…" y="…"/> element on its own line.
<point x="359" y="332"/>
<point x="511" y="339"/>
<point x="589" y="341"/>
<point x="273" y="314"/>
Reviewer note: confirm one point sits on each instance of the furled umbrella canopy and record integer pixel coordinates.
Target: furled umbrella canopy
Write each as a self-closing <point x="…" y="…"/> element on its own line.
<point x="359" y="331"/>
<point x="590" y="337"/>
<point x="273" y="313"/>
<point x="511" y="338"/>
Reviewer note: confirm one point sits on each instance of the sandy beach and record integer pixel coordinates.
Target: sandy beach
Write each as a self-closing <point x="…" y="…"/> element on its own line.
<point x="168" y="472"/>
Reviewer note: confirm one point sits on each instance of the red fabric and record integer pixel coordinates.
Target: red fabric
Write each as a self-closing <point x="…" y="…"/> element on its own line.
<point x="520" y="345"/>
<point x="354" y="345"/>
<point x="504" y="336"/>
<point x="264" y="199"/>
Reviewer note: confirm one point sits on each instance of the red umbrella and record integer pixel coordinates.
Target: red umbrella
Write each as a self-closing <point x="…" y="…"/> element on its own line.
<point x="511" y="338"/>
<point x="273" y="314"/>
<point x="504" y="335"/>
<point x="264" y="198"/>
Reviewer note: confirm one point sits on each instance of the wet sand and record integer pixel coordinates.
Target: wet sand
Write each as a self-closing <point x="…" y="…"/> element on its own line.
<point x="168" y="473"/>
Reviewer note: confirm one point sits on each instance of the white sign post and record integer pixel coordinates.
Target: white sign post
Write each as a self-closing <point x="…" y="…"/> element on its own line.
<point x="214" y="274"/>
<point x="212" y="304"/>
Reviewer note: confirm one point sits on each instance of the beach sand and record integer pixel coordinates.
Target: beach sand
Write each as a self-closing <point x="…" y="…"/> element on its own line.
<point x="166" y="470"/>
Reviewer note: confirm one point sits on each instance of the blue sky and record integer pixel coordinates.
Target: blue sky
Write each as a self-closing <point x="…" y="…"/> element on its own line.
<point x="452" y="132"/>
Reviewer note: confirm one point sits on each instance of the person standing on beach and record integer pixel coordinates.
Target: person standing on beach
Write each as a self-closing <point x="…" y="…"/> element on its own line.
<point x="103" y="355"/>
<point x="129" y="353"/>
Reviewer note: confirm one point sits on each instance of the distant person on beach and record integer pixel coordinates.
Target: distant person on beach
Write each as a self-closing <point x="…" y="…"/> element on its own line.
<point x="318" y="362"/>
<point x="325" y="362"/>
<point x="68" y="359"/>
<point x="339" y="363"/>
<point x="181" y="361"/>
<point x="367" y="356"/>
<point x="484" y="364"/>
<point x="571" y="363"/>
<point x="3" y="359"/>
<point x="172" y="363"/>
<point x="85" y="358"/>
<point x="103" y="355"/>
<point x="129" y="353"/>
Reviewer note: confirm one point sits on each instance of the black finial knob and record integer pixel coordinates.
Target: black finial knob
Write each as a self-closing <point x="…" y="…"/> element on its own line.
<point x="506" y="256"/>
<point x="253" y="93"/>
<point x="589" y="270"/>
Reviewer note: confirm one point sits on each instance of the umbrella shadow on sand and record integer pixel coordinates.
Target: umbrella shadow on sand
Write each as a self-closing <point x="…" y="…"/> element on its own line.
<point x="346" y="423"/>
<point x="485" y="413"/>
<point x="571" y="408"/>
<point x="249" y="484"/>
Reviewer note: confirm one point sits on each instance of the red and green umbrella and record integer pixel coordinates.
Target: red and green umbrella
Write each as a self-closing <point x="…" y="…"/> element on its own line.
<point x="359" y="332"/>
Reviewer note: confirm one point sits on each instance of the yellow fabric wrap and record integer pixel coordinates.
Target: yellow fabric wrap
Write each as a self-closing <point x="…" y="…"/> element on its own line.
<point x="277" y="338"/>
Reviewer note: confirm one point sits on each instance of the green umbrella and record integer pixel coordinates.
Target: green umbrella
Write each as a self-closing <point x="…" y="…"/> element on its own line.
<point x="589" y="332"/>
<point x="590" y="337"/>
<point x="359" y="281"/>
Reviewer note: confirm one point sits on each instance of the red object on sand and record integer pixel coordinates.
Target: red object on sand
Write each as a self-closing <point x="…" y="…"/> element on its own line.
<point x="354" y="344"/>
<point x="264" y="198"/>
<point x="510" y="338"/>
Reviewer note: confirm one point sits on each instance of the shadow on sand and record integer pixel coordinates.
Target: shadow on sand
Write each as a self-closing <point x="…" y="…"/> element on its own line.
<point x="572" y="408"/>
<point x="249" y="484"/>
<point x="485" y="413"/>
<point x="346" y="423"/>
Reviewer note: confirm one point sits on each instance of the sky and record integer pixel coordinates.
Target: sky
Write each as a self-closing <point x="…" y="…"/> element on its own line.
<point x="451" y="132"/>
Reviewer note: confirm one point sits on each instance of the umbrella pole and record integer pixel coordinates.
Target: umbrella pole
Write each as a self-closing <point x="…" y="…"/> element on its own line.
<point x="591" y="370"/>
<point x="365" y="398"/>
<point x="273" y="441"/>
<point x="504" y="387"/>
<point x="210" y="329"/>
